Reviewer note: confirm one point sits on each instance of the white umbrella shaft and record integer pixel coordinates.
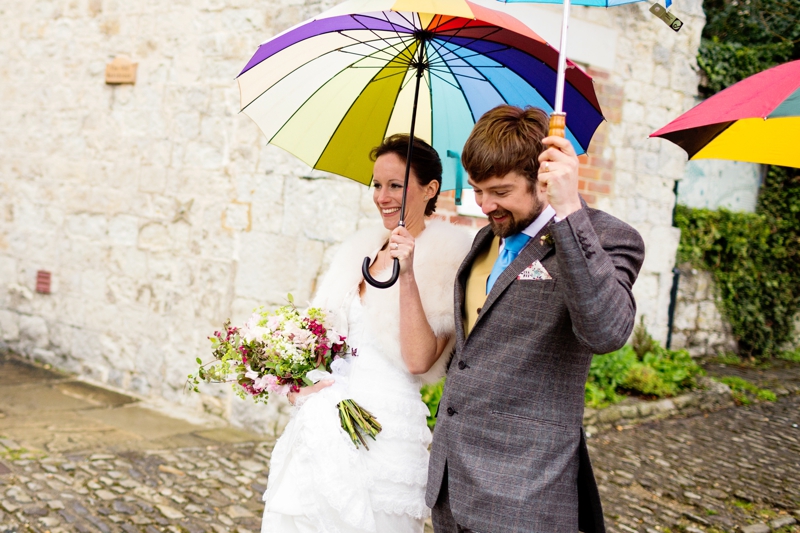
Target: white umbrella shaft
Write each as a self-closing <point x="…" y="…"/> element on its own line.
<point x="562" y="60"/>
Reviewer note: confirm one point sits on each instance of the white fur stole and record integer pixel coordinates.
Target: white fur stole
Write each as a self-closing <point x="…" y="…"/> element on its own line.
<point x="438" y="252"/>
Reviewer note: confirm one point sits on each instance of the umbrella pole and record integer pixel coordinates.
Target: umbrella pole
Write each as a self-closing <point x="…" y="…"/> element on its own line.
<point x="558" y="119"/>
<point x="420" y="66"/>
<point x="420" y="72"/>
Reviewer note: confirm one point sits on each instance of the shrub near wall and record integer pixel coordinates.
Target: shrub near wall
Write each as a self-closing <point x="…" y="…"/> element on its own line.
<point x="755" y="261"/>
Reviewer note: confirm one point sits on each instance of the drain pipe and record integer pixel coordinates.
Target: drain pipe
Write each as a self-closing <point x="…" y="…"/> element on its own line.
<point x="676" y="275"/>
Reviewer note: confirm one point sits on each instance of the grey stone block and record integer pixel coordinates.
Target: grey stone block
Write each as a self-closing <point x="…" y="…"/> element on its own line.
<point x="782" y="522"/>
<point x="756" y="528"/>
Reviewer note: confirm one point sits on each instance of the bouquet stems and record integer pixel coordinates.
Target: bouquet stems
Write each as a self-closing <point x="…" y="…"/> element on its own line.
<point x="357" y="422"/>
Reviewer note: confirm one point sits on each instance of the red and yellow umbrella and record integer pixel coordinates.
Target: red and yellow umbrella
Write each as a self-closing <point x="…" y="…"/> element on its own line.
<point x="756" y="120"/>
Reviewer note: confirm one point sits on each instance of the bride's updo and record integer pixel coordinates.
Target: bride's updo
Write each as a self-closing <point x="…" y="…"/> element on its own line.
<point x="425" y="161"/>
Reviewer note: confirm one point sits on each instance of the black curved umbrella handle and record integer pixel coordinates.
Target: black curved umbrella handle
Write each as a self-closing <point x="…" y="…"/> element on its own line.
<point x="420" y="66"/>
<point x="380" y="284"/>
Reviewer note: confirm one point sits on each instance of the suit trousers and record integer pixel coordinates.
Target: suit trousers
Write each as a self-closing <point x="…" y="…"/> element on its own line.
<point x="442" y="515"/>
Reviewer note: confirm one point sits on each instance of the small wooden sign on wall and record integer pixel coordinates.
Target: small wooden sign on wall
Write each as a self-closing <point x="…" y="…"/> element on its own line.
<point x="121" y="70"/>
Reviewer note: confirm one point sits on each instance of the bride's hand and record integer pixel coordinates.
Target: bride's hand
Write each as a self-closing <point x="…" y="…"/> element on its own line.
<point x="401" y="246"/>
<point x="293" y="397"/>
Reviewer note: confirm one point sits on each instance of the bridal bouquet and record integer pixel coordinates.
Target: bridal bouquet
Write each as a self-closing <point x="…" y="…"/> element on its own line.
<point x="280" y="351"/>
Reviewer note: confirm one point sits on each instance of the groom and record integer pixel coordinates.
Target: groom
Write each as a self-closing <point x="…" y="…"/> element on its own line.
<point x="546" y="285"/>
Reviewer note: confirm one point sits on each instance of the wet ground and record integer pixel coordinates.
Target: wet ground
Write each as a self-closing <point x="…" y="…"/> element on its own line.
<point x="74" y="457"/>
<point x="724" y="471"/>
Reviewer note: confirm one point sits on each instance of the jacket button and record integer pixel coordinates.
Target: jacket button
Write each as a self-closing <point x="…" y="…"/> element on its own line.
<point x="451" y="411"/>
<point x="462" y="365"/>
<point x="479" y="310"/>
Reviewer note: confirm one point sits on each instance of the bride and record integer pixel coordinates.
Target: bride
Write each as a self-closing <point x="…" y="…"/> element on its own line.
<point x="400" y="337"/>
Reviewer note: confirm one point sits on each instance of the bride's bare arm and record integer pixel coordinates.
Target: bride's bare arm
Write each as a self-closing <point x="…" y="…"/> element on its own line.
<point x="419" y="346"/>
<point x="305" y="391"/>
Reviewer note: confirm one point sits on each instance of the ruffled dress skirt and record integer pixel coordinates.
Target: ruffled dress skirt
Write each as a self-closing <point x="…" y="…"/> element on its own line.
<point x="320" y="482"/>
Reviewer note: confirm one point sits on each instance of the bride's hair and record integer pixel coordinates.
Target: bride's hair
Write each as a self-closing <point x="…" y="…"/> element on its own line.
<point x="425" y="161"/>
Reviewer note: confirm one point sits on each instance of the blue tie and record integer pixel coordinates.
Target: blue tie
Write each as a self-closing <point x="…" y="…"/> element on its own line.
<point x="511" y="248"/>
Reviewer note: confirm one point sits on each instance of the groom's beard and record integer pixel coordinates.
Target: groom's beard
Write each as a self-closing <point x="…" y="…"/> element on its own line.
<point x="512" y="226"/>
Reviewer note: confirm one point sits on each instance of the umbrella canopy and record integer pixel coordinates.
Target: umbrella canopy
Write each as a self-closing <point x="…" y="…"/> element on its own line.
<point x="592" y="3"/>
<point x="558" y="118"/>
<point x="756" y="120"/>
<point x="332" y="88"/>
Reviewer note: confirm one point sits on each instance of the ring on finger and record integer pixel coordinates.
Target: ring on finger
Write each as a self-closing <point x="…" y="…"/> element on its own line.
<point x="547" y="166"/>
<point x="395" y="246"/>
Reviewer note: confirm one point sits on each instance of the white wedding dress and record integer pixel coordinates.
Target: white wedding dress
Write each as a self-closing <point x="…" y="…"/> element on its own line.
<point x="320" y="482"/>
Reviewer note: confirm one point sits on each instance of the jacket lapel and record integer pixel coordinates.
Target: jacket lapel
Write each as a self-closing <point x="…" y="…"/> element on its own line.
<point x="482" y="240"/>
<point x="535" y="250"/>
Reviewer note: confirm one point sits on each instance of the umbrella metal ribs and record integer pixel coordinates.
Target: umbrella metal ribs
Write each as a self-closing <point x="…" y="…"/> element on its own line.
<point x="420" y="65"/>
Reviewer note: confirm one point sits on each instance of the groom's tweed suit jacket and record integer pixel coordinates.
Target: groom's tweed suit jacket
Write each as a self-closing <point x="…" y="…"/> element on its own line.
<point x="509" y="434"/>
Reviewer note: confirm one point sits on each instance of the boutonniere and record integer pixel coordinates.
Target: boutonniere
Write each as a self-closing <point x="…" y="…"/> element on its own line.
<point x="547" y="238"/>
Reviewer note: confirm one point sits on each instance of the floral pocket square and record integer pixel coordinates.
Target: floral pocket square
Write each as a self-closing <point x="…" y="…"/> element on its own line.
<point x="534" y="272"/>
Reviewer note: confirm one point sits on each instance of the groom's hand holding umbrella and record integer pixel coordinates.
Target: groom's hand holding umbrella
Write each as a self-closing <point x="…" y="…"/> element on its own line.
<point x="558" y="176"/>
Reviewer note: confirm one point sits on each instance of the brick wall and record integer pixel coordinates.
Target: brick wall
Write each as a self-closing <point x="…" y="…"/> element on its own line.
<point x="446" y="210"/>
<point x="597" y="170"/>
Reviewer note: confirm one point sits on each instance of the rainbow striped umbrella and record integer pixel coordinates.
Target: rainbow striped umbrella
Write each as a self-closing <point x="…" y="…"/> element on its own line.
<point x="332" y="88"/>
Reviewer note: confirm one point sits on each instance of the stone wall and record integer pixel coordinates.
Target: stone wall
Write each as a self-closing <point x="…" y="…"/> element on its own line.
<point x="157" y="207"/>
<point x="656" y="70"/>
<point x="699" y="326"/>
<point x="716" y="183"/>
<point x="160" y="212"/>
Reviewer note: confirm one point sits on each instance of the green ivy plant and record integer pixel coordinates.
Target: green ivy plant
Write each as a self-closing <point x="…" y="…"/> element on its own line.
<point x="754" y="260"/>
<point x="743" y="37"/>
<point x="725" y="63"/>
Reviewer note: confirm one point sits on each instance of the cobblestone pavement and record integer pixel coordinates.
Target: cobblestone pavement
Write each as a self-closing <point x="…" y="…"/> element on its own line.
<point x="187" y="490"/>
<point x="725" y="471"/>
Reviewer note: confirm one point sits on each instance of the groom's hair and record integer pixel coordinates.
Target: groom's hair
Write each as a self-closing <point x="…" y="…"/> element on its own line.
<point x="506" y="139"/>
